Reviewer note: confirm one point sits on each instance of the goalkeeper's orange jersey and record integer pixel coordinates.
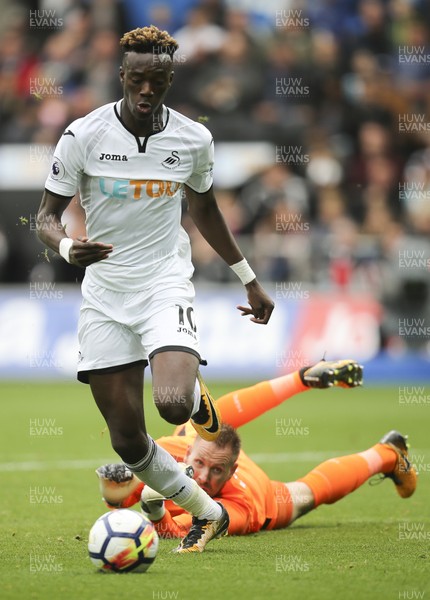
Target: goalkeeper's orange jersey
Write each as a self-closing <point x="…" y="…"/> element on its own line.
<point x="249" y="496"/>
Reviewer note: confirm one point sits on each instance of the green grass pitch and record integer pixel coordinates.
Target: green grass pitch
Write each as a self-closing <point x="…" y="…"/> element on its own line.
<point x="370" y="545"/>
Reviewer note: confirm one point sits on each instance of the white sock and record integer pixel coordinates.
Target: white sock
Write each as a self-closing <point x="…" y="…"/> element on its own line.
<point x="197" y="398"/>
<point x="161" y="472"/>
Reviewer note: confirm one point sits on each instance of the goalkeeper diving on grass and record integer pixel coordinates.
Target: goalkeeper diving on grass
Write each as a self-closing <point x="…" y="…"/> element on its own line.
<point x="227" y="474"/>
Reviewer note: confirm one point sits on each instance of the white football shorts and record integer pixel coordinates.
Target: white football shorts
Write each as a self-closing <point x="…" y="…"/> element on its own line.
<point x="120" y="328"/>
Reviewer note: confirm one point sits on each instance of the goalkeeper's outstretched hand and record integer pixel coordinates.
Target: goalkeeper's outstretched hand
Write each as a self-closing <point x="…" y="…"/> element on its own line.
<point x="120" y="488"/>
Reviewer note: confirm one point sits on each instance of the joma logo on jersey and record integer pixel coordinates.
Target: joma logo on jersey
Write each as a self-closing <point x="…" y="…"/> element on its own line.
<point x="113" y="157"/>
<point x="136" y="189"/>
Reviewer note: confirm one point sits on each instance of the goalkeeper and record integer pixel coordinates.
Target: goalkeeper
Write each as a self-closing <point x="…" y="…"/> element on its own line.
<point x="227" y="474"/>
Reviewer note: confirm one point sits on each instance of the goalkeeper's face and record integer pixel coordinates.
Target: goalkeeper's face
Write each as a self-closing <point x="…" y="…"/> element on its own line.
<point x="213" y="466"/>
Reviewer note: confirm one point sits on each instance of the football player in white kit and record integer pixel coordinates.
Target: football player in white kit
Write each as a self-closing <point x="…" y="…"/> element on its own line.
<point x="131" y="162"/>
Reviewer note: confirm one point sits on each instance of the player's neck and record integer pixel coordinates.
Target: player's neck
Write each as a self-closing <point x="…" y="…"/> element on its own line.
<point x="144" y="127"/>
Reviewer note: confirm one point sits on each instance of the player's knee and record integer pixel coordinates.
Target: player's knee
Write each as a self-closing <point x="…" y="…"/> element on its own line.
<point x="174" y="408"/>
<point x="174" y="402"/>
<point x="176" y="414"/>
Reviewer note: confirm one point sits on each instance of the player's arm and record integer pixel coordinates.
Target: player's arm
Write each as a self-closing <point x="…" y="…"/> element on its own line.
<point x="209" y="220"/>
<point x="81" y="251"/>
<point x="239" y="514"/>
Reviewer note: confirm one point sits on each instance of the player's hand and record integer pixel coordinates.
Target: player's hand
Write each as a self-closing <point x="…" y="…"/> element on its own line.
<point x="119" y="487"/>
<point x="261" y="305"/>
<point x="84" y="253"/>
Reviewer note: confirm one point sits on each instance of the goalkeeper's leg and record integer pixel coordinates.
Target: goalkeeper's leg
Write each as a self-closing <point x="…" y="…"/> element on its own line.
<point x="245" y="405"/>
<point x="336" y="478"/>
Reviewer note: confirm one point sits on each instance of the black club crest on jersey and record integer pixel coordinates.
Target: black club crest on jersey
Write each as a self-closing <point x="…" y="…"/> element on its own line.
<point x="172" y="161"/>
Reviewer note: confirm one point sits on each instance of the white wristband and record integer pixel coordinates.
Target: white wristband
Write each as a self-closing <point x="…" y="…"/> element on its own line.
<point x="64" y="248"/>
<point x="243" y="271"/>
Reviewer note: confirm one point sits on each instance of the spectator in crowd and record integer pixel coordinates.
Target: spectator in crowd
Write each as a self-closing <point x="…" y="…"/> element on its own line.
<point x="335" y="80"/>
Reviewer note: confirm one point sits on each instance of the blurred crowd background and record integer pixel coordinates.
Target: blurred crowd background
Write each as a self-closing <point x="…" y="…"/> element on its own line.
<point x="340" y="89"/>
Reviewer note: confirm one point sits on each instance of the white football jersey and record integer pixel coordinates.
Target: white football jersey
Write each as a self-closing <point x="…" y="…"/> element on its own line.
<point x="131" y="191"/>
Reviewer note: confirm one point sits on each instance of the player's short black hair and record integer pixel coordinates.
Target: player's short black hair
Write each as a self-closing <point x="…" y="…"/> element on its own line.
<point x="149" y="40"/>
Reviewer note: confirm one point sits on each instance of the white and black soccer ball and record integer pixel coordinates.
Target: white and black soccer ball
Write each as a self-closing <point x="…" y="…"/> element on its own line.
<point x="123" y="540"/>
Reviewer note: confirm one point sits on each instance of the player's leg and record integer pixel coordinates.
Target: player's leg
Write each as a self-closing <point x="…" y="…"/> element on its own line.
<point x="178" y="396"/>
<point x="171" y="341"/>
<point x="242" y="406"/>
<point x="293" y="500"/>
<point x="119" y="397"/>
<point x="112" y="361"/>
<point x="336" y="478"/>
<point x="116" y="380"/>
<point x="180" y="393"/>
<point x="174" y="385"/>
<point x="169" y="336"/>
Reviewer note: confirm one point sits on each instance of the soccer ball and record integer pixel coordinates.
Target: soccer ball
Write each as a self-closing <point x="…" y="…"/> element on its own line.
<point x="123" y="540"/>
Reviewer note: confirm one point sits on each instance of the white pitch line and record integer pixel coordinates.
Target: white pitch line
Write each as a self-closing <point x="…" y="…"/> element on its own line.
<point x="52" y="465"/>
<point x="292" y="457"/>
<point x="266" y="458"/>
<point x="260" y="458"/>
